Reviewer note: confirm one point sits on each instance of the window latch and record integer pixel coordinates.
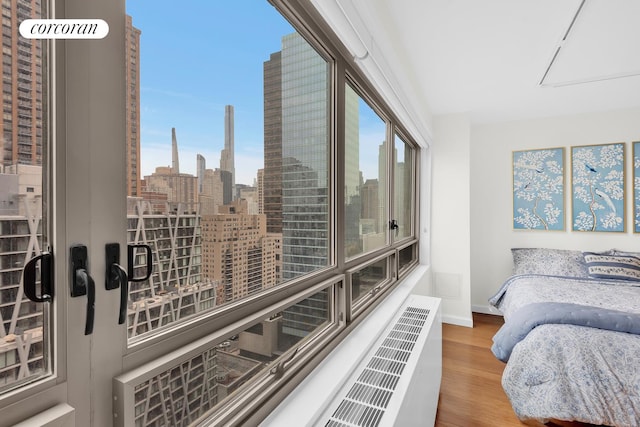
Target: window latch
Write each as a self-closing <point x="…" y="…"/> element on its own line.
<point x="393" y="225"/>
<point x="82" y="283"/>
<point x="279" y="369"/>
<point x="117" y="277"/>
<point x="46" y="278"/>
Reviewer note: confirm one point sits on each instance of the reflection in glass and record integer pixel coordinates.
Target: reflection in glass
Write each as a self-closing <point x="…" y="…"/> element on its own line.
<point x="24" y="342"/>
<point x="228" y="156"/>
<point x="366" y="279"/>
<point x="365" y="176"/>
<point x="183" y="393"/>
<point x="403" y="179"/>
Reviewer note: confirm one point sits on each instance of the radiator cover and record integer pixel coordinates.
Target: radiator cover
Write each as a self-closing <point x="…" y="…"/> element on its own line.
<point x="397" y="383"/>
<point x="340" y="379"/>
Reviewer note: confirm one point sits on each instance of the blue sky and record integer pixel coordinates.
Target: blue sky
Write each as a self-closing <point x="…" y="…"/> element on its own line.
<point x="195" y="59"/>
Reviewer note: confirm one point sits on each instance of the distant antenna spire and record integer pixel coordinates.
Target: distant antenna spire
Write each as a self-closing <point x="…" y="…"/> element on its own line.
<point x="175" y="162"/>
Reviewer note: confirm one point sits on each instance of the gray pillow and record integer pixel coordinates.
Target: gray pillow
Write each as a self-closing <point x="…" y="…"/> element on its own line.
<point x="550" y="262"/>
<point x="619" y="267"/>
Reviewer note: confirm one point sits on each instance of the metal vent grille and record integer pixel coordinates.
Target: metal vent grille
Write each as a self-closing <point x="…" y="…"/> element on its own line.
<point x="367" y="399"/>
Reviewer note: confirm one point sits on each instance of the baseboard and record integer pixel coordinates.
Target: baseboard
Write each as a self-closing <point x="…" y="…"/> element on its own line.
<point x="485" y="309"/>
<point x="457" y="320"/>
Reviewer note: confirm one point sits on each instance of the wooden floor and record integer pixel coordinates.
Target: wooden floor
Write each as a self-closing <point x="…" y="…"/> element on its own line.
<point x="471" y="394"/>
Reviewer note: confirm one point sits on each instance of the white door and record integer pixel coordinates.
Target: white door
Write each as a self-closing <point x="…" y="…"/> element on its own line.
<point x="63" y="121"/>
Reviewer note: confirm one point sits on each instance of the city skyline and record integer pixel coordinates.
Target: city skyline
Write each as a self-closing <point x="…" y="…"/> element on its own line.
<point x="174" y="91"/>
<point x="175" y="95"/>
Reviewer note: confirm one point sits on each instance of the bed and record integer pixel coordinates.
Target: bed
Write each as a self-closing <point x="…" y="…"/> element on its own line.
<point x="571" y="338"/>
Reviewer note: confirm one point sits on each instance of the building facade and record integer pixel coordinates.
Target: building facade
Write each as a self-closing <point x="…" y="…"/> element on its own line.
<point x="179" y="187"/>
<point x="305" y="158"/>
<point x="272" y="176"/>
<point x="22" y="87"/>
<point x="227" y="157"/>
<point x="132" y="61"/>
<point x="177" y="288"/>
<point x="238" y="252"/>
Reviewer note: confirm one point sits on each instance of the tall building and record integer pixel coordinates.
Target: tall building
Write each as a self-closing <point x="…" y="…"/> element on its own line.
<point x="227" y="157"/>
<point x="260" y="188"/>
<point x="227" y="185"/>
<point x="23" y="132"/>
<point x="250" y="195"/>
<point x="22" y="106"/>
<point x="352" y="174"/>
<point x="179" y="187"/>
<point x="163" y="400"/>
<point x="352" y="144"/>
<point x="369" y="194"/>
<point x="177" y="280"/>
<point x="201" y="167"/>
<point x="272" y="180"/>
<point x="175" y="160"/>
<point x="216" y="189"/>
<point x="238" y="252"/>
<point x="132" y="52"/>
<point x="305" y="174"/>
<point x="20" y="239"/>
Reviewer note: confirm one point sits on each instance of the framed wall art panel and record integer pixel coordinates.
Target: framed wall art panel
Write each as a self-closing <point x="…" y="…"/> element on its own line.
<point x="538" y="189"/>
<point x="597" y="183"/>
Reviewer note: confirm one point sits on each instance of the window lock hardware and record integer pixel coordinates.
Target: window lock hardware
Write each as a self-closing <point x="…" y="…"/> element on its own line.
<point x="278" y="370"/>
<point x="393" y="225"/>
<point x="82" y="283"/>
<point x="46" y="278"/>
<point x="116" y="276"/>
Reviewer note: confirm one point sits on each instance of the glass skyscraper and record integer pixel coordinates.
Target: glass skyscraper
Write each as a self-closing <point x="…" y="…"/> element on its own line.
<point x="305" y="204"/>
<point x="304" y="128"/>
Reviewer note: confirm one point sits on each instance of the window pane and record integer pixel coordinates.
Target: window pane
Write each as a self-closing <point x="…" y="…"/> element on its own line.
<point x="406" y="257"/>
<point x="366" y="279"/>
<point x="404" y="191"/>
<point x="365" y="177"/>
<point x="181" y="394"/>
<point x="24" y="342"/>
<point x="228" y="155"/>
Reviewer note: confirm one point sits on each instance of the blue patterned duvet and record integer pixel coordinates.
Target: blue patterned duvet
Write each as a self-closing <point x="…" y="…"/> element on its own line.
<point x="569" y="372"/>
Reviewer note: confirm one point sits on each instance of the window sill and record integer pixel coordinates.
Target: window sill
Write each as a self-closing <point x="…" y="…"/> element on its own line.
<point x="303" y="403"/>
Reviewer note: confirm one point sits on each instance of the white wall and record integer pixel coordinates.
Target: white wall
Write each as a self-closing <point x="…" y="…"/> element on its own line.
<point x="450" y="217"/>
<point x="492" y="234"/>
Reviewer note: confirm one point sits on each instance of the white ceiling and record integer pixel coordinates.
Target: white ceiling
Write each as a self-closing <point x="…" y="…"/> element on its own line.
<point x="488" y="58"/>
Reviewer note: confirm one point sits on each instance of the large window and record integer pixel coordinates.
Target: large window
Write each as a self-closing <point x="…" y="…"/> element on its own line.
<point x="268" y="186"/>
<point x="275" y="192"/>
<point x="365" y="177"/>
<point x="241" y="114"/>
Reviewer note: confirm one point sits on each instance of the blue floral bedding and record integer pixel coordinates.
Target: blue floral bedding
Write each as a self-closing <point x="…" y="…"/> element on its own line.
<point x="570" y="372"/>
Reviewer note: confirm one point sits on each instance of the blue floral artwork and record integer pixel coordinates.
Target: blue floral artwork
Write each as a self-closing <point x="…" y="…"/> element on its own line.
<point x="636" y="187"/>
<point x="538" y="189"/>
<point x="598" y="187"/>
